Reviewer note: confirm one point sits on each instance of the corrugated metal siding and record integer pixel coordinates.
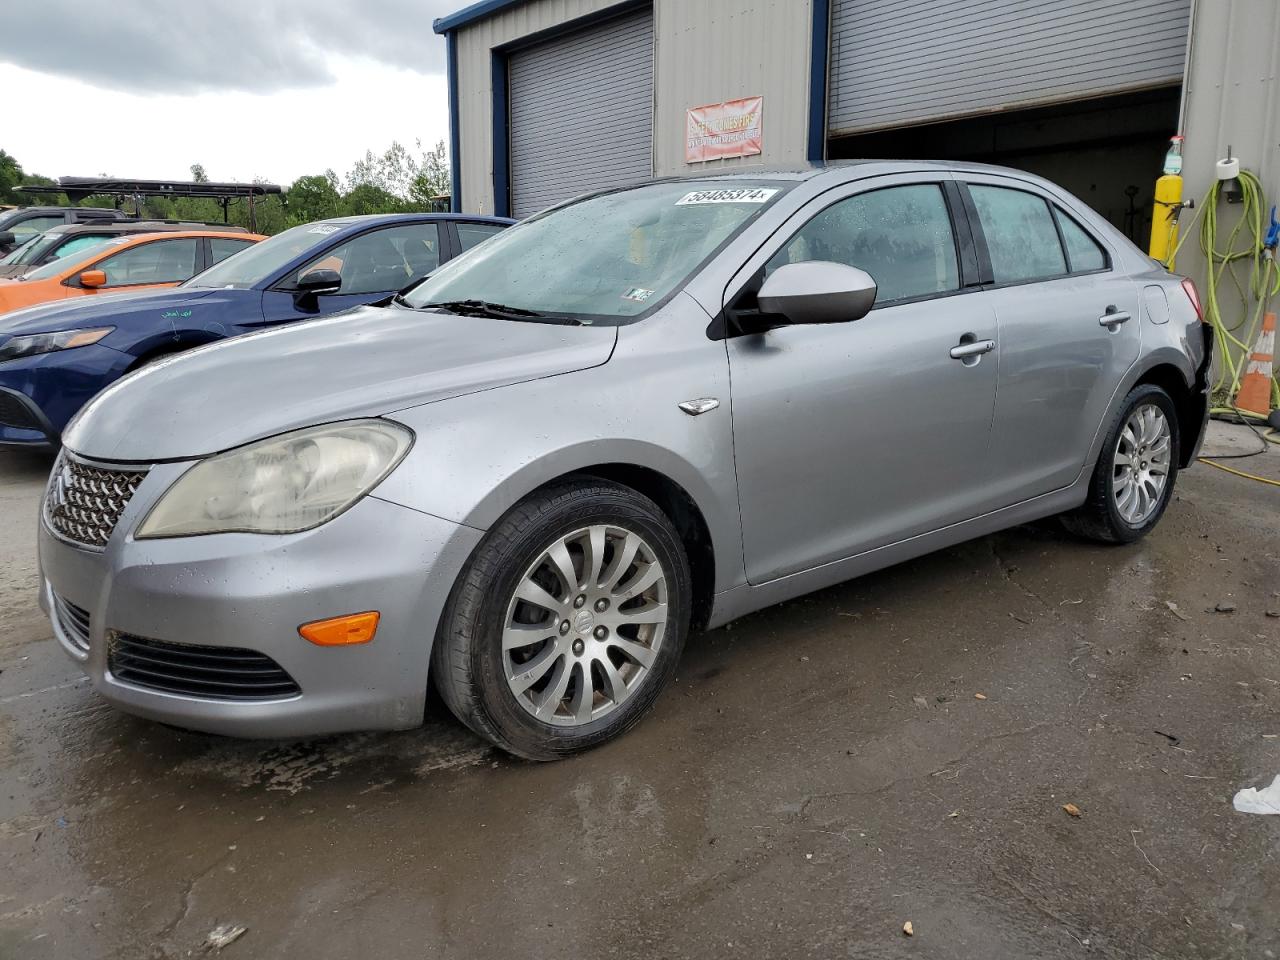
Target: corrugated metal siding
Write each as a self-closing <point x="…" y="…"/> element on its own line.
<point x="581" y="112"/>
<point x="475" y="91"/>
<point x="714" y="50"/>
<point x="1232" y="99"/>
<point x="895" y="63"/>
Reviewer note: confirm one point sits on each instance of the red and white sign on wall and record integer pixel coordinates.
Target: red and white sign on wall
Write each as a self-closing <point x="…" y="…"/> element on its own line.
<point x="730" y="129"/>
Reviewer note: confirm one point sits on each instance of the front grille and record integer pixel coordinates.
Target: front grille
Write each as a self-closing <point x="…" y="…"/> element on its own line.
<point x="212" y="673"/>
<point x="74" y="622"/>
<point x="15" y="413"/>
<point x="84" y="502"/>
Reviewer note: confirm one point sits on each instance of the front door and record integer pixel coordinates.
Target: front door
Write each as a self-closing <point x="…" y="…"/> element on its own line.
<point x="1069" y="330"/>
<point x="850" y="436"/>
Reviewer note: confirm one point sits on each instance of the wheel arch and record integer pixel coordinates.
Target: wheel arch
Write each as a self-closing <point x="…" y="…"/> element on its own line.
<point x="152" y="348"/>
<point x="1187" y="402"/>
<point x="663" y="476"/>
<point x="683" y="512"/>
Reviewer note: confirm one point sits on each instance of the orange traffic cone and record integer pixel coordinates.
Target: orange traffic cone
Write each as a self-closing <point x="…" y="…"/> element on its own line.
<point x="1255" y="389"/>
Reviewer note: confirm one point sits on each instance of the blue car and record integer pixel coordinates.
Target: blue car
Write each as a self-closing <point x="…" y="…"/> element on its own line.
<point x="56" y="356"/>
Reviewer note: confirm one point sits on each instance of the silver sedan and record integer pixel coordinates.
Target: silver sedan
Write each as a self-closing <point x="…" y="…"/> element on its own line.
<point x="644" y="412"/>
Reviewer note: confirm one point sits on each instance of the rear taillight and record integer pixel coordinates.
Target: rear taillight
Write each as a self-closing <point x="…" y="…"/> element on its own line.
<point x="1189" y="287"/>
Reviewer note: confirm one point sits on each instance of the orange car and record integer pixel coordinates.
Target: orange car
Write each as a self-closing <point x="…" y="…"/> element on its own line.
<point x="131" y="262"/>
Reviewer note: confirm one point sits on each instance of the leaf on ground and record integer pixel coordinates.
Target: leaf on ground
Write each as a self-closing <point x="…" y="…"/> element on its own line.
<point x="1072" y="809"/>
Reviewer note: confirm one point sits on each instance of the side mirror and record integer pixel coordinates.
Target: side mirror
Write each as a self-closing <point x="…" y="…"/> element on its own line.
<point x="92" y="279"/>
<point x="818" y="291"/>
<point x="320" y="281"/>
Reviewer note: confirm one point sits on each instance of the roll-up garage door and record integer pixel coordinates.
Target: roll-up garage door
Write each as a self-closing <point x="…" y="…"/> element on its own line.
<point x="581" y="112"/>
<point x="895" y="63"/>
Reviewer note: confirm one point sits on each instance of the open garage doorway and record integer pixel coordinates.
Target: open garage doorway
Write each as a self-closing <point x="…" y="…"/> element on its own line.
<point x="1108" y="151"/>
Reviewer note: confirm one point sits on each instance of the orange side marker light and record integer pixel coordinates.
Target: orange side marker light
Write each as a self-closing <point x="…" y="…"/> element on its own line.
<point x="341" y="631"/>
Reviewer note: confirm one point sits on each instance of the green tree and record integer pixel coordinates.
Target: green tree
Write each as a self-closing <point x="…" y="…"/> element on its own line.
<point x="314" y="197"/>
<point x="10" y="176"/>
<point x="368" y="198"/>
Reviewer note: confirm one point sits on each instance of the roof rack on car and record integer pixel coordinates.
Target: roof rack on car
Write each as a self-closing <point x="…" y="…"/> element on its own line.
<point x="80" y="188"/>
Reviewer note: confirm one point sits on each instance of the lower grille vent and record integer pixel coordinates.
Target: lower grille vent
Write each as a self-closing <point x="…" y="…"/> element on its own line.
<point x="212" y="673"/>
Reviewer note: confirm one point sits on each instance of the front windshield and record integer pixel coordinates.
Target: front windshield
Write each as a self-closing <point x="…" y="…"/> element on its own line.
<point x="13" y="255"/>
<point x="261" y="260"/>
<point x="606" y="258"/>
<point x="59" y="245"/>
<point x="33" y="248"/>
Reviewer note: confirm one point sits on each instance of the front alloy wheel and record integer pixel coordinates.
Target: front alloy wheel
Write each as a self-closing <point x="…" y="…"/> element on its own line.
<point x="584" y="625"/>
<point x="568" y="621"/>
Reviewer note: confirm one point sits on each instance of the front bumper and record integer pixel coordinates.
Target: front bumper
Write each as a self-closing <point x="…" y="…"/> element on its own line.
<point x="40" y="394"/>
<point x="252" y="592"/>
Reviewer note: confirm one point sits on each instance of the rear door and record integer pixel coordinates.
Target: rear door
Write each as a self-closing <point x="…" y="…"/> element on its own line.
<point x="373" y="266"/>
<point x="849" y="436"/>
<point x="1069" y="330"/>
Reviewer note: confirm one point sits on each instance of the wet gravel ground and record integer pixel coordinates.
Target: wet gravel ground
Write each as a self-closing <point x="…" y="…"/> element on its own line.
<point x="822" y="773"/>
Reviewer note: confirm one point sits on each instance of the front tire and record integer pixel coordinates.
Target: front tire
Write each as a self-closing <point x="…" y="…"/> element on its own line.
<point x="1133" y="481"/>
<point x="568" y="621"/>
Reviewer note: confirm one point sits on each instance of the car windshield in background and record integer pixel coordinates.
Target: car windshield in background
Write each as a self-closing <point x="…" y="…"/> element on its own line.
<point x="59" y="243"/>
<point x="261" y="260"/>
<point x="13" y="255"/>
<point x="606" y="258"/>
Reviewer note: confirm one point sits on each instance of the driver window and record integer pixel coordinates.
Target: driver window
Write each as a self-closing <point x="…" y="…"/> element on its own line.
<point x="161" y="261"/>
<point x="900" y="235"/>
<point x="383" y="260"/>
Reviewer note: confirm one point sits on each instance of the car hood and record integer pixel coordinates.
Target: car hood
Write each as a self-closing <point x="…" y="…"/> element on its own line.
<point x="97" y="310"/>
<point x="366" y="362"/>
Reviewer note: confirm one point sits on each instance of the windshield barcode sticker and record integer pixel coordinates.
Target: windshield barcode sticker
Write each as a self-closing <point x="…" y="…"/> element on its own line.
<point x="735" y="195"/>
<point x="323" y="228"/>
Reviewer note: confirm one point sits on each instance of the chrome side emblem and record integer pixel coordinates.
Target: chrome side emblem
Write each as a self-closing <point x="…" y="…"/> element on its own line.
<point x="696" y="408"/>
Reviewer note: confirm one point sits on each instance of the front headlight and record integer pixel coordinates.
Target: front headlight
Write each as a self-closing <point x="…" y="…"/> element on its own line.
<point x="48" y="342"/>
<point x="282" y="485"/>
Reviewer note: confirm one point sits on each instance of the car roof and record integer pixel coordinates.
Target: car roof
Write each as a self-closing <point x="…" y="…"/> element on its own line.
<point x="837" y="168"/>
<point x="378" y="218"/>
<point x="141" y="226"/>
<point x="129" y="240"/>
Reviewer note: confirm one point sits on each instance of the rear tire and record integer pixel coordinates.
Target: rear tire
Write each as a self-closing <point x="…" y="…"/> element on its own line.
<point x="585" y="656"/>
<point x="1133" y="480"/>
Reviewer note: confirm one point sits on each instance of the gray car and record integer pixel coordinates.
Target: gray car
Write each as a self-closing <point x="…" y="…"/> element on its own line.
<point x="642" y="413"/>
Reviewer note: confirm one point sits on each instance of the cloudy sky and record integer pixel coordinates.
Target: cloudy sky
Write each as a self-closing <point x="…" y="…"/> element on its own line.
<point x="249" y="88"/>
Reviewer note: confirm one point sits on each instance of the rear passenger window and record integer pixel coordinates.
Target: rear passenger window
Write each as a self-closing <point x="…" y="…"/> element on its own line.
<point x="900" y="235"/>
<point x="1083" y="252"/>
<point x="1021" y="237"/>
<point x="222" y="247"/>
<point x="469" y="234"/>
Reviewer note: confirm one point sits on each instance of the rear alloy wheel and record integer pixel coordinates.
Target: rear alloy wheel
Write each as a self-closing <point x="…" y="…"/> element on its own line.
<point x="1140" y="464"/>
<point x="568" y="621"/>
<point x="1133" y="481"/>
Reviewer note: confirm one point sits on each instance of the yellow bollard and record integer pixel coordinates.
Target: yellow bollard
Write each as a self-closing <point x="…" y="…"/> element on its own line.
<point x="1164" y="218"/>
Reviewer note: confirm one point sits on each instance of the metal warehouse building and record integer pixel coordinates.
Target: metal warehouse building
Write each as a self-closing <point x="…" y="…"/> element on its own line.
<point x="555" y="97"/>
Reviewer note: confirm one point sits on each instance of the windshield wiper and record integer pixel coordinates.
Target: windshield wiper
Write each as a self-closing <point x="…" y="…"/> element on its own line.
<point x="500" y="311"/>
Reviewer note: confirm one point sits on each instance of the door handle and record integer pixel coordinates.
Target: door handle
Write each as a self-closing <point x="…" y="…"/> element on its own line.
<point x="973" y="349"/>
<point x="1113" y="317"/>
